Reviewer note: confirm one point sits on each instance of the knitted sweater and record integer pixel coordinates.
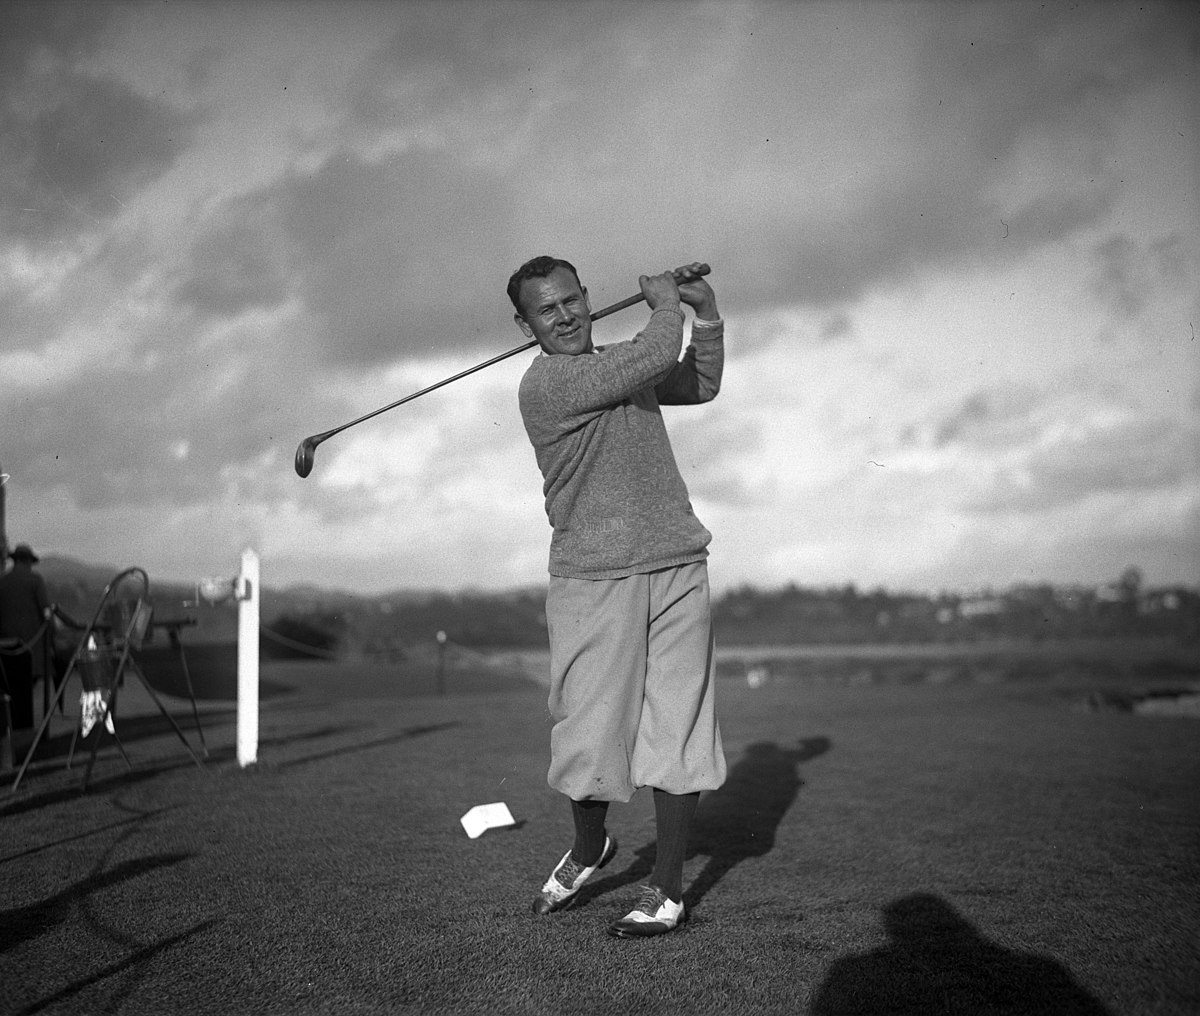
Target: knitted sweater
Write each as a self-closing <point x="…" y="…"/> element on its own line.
<point x="614" y="496"/>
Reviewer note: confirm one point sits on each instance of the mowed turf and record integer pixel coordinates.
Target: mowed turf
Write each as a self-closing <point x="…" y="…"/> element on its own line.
<point x="919" y="848"/>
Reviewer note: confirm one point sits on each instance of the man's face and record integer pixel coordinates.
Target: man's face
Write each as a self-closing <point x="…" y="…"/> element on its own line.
<point x="555" y="311"/>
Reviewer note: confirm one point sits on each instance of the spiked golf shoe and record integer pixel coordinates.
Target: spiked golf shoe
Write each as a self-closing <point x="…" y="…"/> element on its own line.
<point x="655" y="914"/>
<point x="567" y="879"/>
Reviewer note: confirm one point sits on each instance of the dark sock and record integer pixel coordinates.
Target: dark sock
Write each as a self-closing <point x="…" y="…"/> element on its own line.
<point x="673" y="817"/>
<point x="589" y="830"/>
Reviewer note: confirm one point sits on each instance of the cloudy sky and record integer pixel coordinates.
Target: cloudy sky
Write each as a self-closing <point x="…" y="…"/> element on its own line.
<point x="955" y="246"/>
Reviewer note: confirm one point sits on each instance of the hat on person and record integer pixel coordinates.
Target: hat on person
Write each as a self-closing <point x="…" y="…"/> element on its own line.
<point x="24" y="552"/>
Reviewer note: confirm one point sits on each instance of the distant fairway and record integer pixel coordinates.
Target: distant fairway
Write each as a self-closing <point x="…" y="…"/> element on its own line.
<point x="886" y="843"/>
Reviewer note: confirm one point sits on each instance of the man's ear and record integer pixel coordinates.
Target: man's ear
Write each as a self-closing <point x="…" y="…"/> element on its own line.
<point x="586" y="302"/>
<point x="523" y="325"/>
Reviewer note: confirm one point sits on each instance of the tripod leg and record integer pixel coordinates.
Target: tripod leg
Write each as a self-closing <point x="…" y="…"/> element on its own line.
<point x="49" y="715"/>
<point x="74" y="741"/>
<point x="163" y="709"/>
<point x="101" y="725"/>
<point x="192" y="695"/>
<point x="121" y="748"/>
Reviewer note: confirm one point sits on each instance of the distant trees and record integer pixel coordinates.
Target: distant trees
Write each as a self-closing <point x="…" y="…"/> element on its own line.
<point x="795" y="616"/>
<point x="791" y="615"/>
<point x="313" y="622"/>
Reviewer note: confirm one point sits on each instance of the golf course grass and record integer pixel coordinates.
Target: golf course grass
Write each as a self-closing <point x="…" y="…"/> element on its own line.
<point x="941" y="846"/>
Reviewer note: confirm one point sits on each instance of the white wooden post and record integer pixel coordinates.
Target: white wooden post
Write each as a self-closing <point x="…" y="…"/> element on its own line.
<point x="247" y="713"/>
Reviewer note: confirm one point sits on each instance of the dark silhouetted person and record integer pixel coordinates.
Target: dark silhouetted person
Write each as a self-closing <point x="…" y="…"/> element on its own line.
<point x="24" y="611"/>
<point x="936" y="962"/>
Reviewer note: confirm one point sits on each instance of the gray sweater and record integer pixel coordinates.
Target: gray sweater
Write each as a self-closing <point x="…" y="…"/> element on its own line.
<point x="613" y="491"/>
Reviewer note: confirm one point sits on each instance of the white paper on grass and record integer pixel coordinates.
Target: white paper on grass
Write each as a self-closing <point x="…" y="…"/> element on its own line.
<point x="487" y="816"/>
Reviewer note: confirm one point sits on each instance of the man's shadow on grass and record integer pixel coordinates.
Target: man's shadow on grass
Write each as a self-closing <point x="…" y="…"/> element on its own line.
<point x="936" y="961"/>
<point x="734" y="823"/>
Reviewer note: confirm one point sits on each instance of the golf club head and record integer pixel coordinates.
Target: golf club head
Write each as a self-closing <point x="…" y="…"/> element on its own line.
<point x="304" y="457"/>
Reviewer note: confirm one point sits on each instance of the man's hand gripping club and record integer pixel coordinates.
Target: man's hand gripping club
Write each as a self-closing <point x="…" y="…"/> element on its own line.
<point x="697" y="294"/>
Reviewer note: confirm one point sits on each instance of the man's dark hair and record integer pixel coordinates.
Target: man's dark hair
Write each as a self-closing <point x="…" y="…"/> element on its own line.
<point x="536" y="268"/>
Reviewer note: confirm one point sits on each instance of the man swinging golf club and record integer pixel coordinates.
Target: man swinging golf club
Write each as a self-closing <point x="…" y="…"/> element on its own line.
<point x="631" y="660"/>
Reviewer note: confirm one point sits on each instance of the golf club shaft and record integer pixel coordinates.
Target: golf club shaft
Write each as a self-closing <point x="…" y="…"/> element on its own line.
<point x="308" y="445"/>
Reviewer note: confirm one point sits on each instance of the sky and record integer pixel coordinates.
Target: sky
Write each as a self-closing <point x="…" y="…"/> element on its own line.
<point x="954" y="246"/>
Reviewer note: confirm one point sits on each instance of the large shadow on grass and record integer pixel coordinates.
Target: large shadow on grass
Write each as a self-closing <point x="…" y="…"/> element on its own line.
<point x="131" y="730"/>
<point x="735" y="823"/>
<point x="135" y="963"/>
<point x="403" y="735"/>
<point x="68" y="782"/>
<point x="935" y="961"/>
<point x="99" y="785"/>
<point x="21" y="923"/>
<point x="144" y="769"/>
<point x="52" y="755"/>
<point x="75" y="837"/>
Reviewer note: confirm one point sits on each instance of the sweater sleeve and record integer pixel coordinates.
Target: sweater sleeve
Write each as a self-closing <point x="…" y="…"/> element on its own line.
<point x="591" y="382"/>
<point x="697" y="377"/>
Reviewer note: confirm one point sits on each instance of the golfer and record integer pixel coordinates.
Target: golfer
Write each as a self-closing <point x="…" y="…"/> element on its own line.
<point x="631" y="648"/>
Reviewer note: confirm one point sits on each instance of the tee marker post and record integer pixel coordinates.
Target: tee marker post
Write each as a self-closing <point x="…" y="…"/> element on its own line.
<point x="246" y="592"/>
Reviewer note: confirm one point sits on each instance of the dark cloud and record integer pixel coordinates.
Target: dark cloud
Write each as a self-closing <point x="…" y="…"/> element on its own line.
<point x="46" y="28"/>
<point x="233" y="267"/>
<point x="406" y="255"/>
<point x="440" y="63"/>
<point x="984" y="88"/>
<point x="73" y="144"/>
<point x="491" y="67"/>
<point x="402" y="258"/>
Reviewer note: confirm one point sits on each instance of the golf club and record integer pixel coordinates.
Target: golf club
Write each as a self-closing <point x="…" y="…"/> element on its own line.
<point x="307" y="448"/>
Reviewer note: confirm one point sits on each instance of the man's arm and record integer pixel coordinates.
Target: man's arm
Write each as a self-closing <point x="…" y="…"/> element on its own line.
<point x="594" y="381"/>
<point x="697" y="377"/>
<point x="590" y="382"/>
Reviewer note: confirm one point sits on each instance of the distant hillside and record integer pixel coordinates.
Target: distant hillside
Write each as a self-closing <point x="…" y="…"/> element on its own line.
<point x="76" y="587"/>
<point x="328" y="621"/>
<point x="311" y="621"/>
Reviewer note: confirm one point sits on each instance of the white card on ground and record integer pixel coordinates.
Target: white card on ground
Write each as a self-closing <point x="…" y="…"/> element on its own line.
<point x="487" y="816"/>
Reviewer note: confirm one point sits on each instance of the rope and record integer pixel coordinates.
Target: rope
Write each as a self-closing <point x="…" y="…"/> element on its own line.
<point x="467" y="652"/>
<point x="451" y="649"/>
<point x="302" y="647"/>
<point x="26" y="647"/>
<point x="66" y="618"/>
